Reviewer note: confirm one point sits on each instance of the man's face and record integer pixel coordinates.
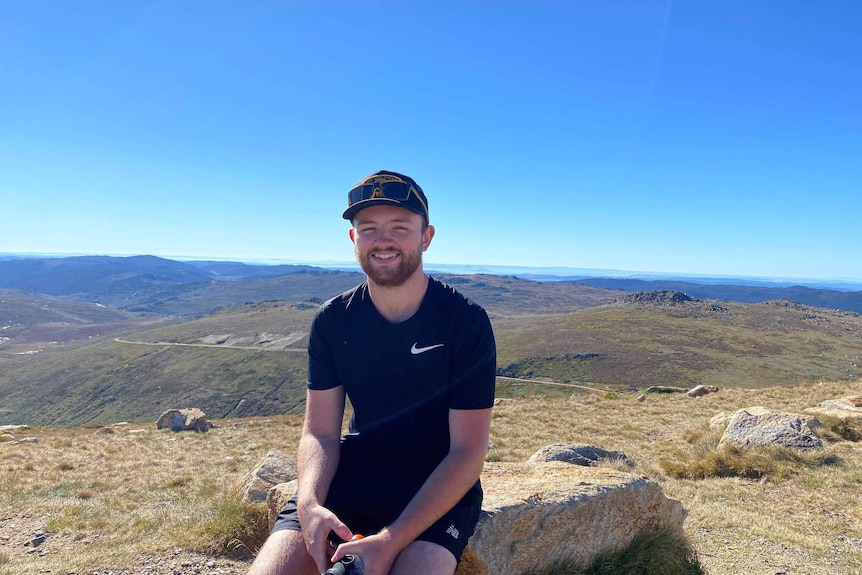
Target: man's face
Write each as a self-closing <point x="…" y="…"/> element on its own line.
<point x="389" y="241"/>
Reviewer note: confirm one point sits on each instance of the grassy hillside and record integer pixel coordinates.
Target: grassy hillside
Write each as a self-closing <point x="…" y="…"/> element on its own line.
<point x="643" y="341"/>
<point x="250" y="359"/>
<point x="137" y="500"/>
<point x="103" y="380"/>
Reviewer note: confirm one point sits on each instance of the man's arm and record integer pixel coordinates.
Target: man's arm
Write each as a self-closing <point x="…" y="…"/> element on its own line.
<point x="317" y="460"/>
<point x="457" y="472"/>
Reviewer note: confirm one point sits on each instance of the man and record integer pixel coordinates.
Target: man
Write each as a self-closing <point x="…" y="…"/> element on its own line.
<point x="417" y="362"/>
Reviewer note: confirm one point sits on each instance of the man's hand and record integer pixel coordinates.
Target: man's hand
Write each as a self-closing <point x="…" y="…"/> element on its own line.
<point x="377" y="552"/>
<point x="317" y="523"/>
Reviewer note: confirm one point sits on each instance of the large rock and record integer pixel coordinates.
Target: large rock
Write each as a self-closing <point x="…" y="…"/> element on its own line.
<point x="846" y="408"/>
<point x="760" y="427"/>
<point x="183" y="420"/>
<point x="578" y="454"/>
<point x="275" y="468"/>
<point x="701" y="390"/>
<point x="536" y="513"/>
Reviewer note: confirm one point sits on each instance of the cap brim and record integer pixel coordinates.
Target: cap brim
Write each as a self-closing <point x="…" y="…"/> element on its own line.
<point x="352" y="210"/>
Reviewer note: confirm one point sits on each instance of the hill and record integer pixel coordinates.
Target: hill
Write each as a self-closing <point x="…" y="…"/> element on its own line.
<point x="186" y="289"/>
<point x="668" y="338"/>
<point x="249" y="360"/>
<point x="815" y="297"/>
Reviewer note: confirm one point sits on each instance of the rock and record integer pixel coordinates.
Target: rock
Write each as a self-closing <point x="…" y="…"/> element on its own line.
<point x="578" y="454"/>
<point x="536" y="513"/>
<point x="183" y="420"/>
<point x="275" y="468"/>
<point x="276" y="499"/>
<point x="702" y="390"/>
<point x="760" y="427"/>
<point x="846" y="408"/>
<point x="5" y="428"/>
<point x="38" y="538"/>
<point x="665" y="389"/>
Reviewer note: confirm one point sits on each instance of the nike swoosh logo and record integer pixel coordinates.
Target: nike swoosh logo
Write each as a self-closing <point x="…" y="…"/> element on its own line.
<point x="417" y="350"/>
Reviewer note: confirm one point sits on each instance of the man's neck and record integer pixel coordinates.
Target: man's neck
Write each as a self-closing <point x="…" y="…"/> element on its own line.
<point x="398" y="304"/>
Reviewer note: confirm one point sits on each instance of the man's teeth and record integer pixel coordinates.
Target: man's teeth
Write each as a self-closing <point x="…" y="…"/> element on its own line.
<point x="385" y="256"/>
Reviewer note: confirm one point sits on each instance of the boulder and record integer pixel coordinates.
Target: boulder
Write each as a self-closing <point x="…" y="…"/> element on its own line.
<point x="536" y="513"/>
<point x="192" y="419"/>
<point x="665" y="389"/>
<point x="276" y="499"/>
<point x="761" y="427"/>
<point x="847" y="408"/>
<point x="701" y="390"/>
<point x="578" y="454"/>
<point x="275" y="468"/>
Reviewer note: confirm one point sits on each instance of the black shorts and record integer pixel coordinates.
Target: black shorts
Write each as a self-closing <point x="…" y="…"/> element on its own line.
<point x="372" y="487"/>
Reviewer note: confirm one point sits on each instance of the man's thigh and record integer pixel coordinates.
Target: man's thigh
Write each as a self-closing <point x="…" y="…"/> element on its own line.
<point x="426" y="558"/>
<point x="283" y="553"/>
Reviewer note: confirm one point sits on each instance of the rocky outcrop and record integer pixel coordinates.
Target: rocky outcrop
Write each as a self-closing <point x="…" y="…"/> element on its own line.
<point x="847" y="408"/>
<point x="701" y="390"/>
<point x="659" y="297"/>
<point x="761" y="427"/>
<point x="578" y="454"/>
<point x="536" y="513"/>
<point x="665" y="389"/>
<point x="274" y="469"/>
<point x="183" y="420"/>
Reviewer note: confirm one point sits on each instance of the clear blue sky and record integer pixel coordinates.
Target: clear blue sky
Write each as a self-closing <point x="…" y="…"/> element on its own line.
<point x="697" y="137"/>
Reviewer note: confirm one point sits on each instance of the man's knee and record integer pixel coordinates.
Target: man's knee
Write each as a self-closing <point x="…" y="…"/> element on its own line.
<point x="283" y="553"/>
<point x="426" y="558"/>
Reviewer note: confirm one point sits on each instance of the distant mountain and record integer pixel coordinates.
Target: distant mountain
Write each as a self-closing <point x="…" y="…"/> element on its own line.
<point x="95" y="276"/>
<point x="243" y="271"/>
<point x="60" y="375"/>
<point x="825" y="298"/>
<point x="191" y="289"/>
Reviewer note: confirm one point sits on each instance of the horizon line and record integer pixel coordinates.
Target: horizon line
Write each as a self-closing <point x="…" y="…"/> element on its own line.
<point x="493" y="269"/>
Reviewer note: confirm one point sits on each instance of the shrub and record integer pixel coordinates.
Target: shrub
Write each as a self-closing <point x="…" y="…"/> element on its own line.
<point x="234" y="528"/>
<point x="775" y="463"/>
<point x="660" y="552"/>
<point x="846" y="429"/>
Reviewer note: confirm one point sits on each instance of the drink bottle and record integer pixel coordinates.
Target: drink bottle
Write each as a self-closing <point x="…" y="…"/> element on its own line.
<point x="348" y="565"/>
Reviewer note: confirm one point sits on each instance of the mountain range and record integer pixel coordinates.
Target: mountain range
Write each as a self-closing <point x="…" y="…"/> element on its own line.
<point x="95" y="340"/>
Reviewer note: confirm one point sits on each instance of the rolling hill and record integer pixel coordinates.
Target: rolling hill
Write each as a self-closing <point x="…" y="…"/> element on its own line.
<point x="249" y="360"/>
<point x="173" y="336"/>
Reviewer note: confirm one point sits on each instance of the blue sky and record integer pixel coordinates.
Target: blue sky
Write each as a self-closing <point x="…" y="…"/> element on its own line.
<point x="691" y="137"/>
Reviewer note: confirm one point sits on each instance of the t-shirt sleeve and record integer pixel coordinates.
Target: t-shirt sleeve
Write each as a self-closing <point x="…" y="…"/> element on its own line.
<point x="321" y="361"/>
<point x="474" y="366"/>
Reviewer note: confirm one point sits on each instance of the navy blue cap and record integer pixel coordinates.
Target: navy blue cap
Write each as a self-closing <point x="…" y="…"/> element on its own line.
<point x="386" y="188"/>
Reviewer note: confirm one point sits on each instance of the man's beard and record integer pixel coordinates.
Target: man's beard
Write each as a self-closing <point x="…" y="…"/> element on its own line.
<point x="391" y="276"/>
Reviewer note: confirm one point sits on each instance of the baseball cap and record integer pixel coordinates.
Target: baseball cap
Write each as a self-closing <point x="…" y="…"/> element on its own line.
<point x="386" y="188"/>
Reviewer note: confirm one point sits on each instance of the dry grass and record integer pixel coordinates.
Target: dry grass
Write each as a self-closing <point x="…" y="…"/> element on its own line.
<point x="109" y="499"/>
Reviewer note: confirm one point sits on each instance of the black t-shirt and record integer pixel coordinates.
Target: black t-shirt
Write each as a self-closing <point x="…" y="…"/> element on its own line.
<point x="403" y="378"/>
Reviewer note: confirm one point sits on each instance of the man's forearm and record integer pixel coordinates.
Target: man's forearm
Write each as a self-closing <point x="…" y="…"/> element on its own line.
<point x="317" y="461"/>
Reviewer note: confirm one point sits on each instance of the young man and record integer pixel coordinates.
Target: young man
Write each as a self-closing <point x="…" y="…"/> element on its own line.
<point x="417" y="362"/>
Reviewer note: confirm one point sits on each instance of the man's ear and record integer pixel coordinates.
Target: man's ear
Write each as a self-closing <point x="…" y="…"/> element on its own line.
<point x="427" y="236"/>
<point x="352" y="238"/>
